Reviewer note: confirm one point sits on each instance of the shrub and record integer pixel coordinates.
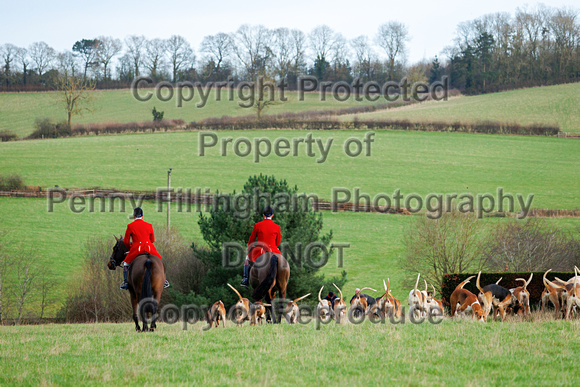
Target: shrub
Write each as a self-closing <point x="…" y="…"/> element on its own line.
<point x="46" y="128"/>
<point x="95" y="295"/>
<point x="450" y="244"/>
<point x="6" y="135"/>
<point x="11" y="183"/>
<point x="157" y="115"/>
<point x="530" y="245"/>
<point x="184" y="270"/>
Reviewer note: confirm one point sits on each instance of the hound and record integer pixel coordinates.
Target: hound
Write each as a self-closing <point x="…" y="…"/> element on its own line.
<point x="390" y="306"/>
<point x="522" y="295"/>
<point x="216" y="313"/>
<point x="324" y="308"/>
<point x="339" y="308"/>
<point x="496" y="296"/>
<point x="462" y="300"/>
<point x="242" y="308"/>
<point x="258" y="312"/>
<point x="361" y="303"/>
<point x="293" y="311"/>
<point x="433" y="303"/>
<point x="556" y="295"/>
<point x="417" y="300"/>
<point x="573" y="293"/>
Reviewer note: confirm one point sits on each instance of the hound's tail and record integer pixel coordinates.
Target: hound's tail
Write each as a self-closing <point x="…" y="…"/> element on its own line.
<point x="477" y="282"/>
<point x="234" y="289"/>
<point x="461" y="285"/>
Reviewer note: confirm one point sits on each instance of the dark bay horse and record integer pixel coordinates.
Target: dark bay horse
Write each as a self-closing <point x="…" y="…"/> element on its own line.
<point x="146" y="278"/>
<point x="269" y="274"/>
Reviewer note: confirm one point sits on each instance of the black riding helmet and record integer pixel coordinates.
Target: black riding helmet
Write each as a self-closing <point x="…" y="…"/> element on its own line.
<point x="137" y="212"/>
<point x="268" y="211"/>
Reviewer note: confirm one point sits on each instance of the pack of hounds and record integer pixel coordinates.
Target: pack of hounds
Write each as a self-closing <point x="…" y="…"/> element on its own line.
<point x="493" y="299"/>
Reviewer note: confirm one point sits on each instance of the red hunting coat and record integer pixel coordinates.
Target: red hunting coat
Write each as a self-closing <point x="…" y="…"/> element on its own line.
<point x="142" y="235"/>
<point x="268" y="234"/>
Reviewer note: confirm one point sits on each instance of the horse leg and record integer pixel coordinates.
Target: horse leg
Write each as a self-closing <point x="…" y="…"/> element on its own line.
<point x="155" y="316"/>
<point x="269" y="309"/>
<point x="282" y="298"/>
<point x="276" y="315"/>
<point x="135" y="305"/>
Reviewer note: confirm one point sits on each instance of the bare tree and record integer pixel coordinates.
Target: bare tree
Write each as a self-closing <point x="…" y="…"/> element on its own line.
<point x="76" y="94"/>
<point x="282" y="51"/>
<point x="339" y="50"/>
<point x="393" y="37"/>
<point x="108" y="49"/>
<point x="67" y="62"/>
<point x="8" y="53"/>
<point x="321" y="41"/>
<point x="364" y="56"/>
<point x="26" y="273"/>
<point x="45" y="285"/>
<point x="530" y="245"/>
<point x="155" y="56"/>
<point x="180" y="54"/>
<point x="135" y="47"/>
<point x="566" y="32"/>
<point x="450" y="244"/>
<point x="299" y="50"/>
<point x="251" y="46"/>
<point x="217" y="48"/>
<point x="42" y="55"/>
<point x="24" y="60"/>
<point x="6" y="263"/>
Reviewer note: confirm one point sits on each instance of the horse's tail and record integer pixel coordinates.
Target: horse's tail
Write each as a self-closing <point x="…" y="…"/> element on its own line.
<point x="146" y="290"/>
<point x="263" y="288"/>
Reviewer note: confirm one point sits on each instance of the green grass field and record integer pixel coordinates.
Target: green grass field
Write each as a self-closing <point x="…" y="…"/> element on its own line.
<point x="414" y="162"/>
<point x="545" y="105"/>
<point x="57" y="239"/>
<point x="451" y="353"/>
<point x="18" y="111"/>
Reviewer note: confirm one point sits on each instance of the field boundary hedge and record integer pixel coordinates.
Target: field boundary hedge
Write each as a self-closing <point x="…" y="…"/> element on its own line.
<point x="298" y="121"/>
<point x="205" y="199"/>
<point x="536" y="286"/>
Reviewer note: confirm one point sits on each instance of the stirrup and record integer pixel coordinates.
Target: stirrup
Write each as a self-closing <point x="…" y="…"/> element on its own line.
<point x="124" y="286"/>
<point x="166" y="284"/>
<point x="245" y="283"/>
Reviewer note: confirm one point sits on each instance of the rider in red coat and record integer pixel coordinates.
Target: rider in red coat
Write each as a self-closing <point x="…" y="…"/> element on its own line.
<point x="266" y="237"/>
<point x="142" y="236"/>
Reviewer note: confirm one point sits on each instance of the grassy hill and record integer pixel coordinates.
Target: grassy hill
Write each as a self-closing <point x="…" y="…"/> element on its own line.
<point x="18" y="111"/>
<point x="546" y="105"/>
<point x="414" y="162"/>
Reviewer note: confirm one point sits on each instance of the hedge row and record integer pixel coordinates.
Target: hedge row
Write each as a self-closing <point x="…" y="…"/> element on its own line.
<point x="47" y="129"/>
<point x="271" y="122"/>
<point x="536" y="287"/>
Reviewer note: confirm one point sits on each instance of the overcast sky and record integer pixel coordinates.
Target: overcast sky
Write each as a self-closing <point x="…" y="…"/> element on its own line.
<point x="431" y="23"/>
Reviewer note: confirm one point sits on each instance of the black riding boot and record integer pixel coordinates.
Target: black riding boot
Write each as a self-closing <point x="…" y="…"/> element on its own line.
<point x="125" y="285"/>
<point x="245" y="281"/>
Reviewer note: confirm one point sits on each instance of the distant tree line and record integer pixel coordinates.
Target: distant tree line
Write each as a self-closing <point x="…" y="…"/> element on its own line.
<point x="496" y="51"/>
<point x="499" y="51"/>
